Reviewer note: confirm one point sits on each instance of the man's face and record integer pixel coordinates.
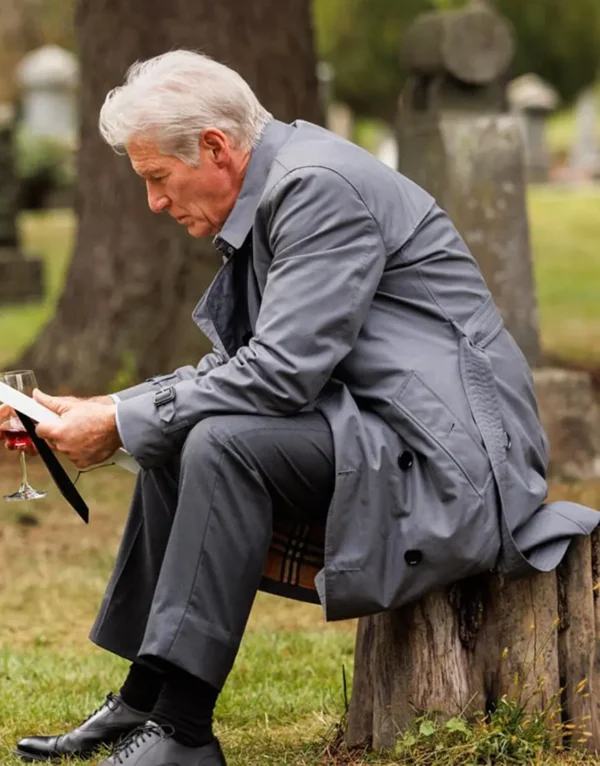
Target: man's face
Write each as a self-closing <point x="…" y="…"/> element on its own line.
<point x="198" y="198"/>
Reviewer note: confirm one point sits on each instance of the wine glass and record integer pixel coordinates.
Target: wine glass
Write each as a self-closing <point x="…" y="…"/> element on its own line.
<point x="15" y="434"/>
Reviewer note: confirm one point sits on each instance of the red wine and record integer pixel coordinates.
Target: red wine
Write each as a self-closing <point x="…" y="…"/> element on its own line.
<point x="17" y="439"/>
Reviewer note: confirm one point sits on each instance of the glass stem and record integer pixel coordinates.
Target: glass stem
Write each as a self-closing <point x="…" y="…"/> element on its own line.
<point x="24" y="482"/>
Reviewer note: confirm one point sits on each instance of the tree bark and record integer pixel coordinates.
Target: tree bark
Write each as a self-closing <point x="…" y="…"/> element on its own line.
<point x="460" y="649"/>
<point x="135" y="277"/>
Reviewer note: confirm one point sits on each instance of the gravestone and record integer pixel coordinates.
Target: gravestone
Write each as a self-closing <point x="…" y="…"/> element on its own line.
<point x="387" y="151"/>
<point x="533" y="100"/>
<point x="570" y="416"/>
<point x="338" y="116"/>
<point x="325" y="80"/>
<point x="48" y="79"/>
<point x="20" y="277"/>
<point x="585" y="153"/>
<point x="457" y="139"/>
<point x="340" y="120"/>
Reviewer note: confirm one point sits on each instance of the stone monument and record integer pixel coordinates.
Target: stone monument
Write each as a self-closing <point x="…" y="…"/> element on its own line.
<point x="457" y="140"/>
<point x="20" y="277"/>
<point x="571" y="418"/>
<point x="48" y="79"/>
<point x="585" y="154"/>
<point x="338" y="116"/>
<point x="533" y="100"/>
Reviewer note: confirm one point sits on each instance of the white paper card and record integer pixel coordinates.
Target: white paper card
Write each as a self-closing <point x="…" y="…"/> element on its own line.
<point x="36" y="411"/>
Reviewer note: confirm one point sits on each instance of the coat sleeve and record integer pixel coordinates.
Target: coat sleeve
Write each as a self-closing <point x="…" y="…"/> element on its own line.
<point x="328" y="258"/>
<point x="208" y="362"/>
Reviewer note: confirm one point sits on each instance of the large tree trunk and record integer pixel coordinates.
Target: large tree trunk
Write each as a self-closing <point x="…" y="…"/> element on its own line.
<point x="135" y="277"/>
<point x="460" y="649"/>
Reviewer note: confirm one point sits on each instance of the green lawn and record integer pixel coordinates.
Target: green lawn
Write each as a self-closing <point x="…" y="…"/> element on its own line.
<point x="278" y="707"/>
<point x="565" y="233"/>
<point x="281" y="705"/>
<point x="285" y="696"/>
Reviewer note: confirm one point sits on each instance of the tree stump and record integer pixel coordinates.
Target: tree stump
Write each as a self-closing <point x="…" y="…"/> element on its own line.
<point x="460" y="649"/>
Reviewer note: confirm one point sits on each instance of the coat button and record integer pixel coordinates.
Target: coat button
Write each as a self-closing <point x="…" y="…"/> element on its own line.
<point x="405" y="461"/>
<point x="413" y="558"/>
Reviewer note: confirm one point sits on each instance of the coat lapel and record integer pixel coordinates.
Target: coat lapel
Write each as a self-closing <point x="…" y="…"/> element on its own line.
<point x="222" y="314"/>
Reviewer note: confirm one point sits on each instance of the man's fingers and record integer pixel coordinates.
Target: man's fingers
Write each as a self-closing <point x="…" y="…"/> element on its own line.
<point x="58" y="404"/>
<point x="47" y="431"/>
<point x="6" y="413"/>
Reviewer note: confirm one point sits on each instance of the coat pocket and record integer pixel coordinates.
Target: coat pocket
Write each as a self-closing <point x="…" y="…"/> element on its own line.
<point x="431" y="429"/>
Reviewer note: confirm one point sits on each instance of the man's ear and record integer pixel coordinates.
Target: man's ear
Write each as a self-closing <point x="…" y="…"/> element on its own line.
<point x="214" y="145"/>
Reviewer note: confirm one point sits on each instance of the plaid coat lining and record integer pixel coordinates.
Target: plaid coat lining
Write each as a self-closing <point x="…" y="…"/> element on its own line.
<point x="296" y="554"/>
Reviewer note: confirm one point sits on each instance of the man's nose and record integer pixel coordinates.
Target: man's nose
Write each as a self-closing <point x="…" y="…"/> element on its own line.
<point x="157" y="201"/>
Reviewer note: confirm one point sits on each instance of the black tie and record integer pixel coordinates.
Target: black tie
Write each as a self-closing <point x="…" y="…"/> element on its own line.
<point x="58" y="473"/>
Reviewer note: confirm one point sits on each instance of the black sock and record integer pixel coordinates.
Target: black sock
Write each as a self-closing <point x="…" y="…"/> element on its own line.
<point x="141" y="688"/>
<point x="187" y="704"/>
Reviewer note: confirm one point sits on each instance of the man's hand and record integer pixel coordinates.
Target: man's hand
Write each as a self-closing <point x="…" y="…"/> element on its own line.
<point x="86" y="432"/>
<point x="78" y="400"/>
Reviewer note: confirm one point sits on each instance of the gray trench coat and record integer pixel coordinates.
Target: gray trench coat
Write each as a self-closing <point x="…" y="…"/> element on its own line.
<point x="345" y="288"/>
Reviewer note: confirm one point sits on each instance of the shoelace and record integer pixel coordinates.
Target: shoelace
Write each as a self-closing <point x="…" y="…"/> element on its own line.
<point x="110" y="698"/>
<point x="137" y="738"/>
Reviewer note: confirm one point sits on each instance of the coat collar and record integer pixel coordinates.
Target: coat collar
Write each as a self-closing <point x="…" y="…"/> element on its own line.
<point x="239" y="222"/>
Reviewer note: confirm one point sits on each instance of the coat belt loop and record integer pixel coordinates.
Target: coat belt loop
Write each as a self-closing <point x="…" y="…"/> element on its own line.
<point x="484" y="325"/>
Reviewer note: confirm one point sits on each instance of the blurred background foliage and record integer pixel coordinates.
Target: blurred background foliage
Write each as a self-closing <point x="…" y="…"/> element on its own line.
<point x="360" y="39"/>
<point x="29" y="24"/>
<point x="557" y="39"/>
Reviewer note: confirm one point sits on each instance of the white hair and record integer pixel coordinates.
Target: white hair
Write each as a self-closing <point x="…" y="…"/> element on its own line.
<point x="171" y="99"/>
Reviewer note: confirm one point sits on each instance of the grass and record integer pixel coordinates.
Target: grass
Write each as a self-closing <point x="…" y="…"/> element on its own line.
<point x="285" y="692"/>
<point x="284" y="699"/>
<point x="565" y="232"/>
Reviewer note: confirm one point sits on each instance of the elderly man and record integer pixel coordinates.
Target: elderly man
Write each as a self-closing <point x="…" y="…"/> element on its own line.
<point x="364" y="430"/>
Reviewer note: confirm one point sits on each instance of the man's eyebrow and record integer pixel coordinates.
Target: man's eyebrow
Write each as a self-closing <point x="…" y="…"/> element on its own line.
<point x="146" y="170"/>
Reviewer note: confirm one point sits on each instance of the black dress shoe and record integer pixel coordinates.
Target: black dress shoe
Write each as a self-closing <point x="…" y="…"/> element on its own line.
<point x="110" y="723"/>
<point x="153" y="745"/>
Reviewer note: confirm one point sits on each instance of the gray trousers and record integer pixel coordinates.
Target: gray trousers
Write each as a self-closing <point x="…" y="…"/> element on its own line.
<point x="197" y="536"/>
